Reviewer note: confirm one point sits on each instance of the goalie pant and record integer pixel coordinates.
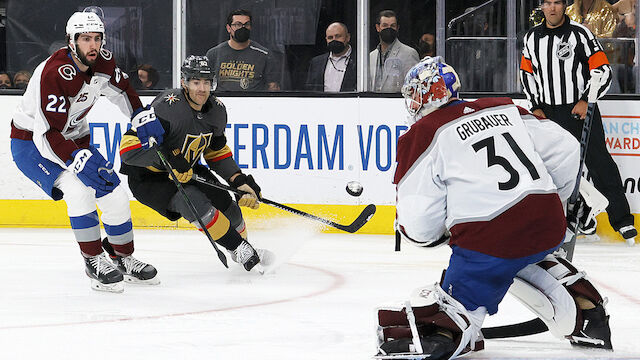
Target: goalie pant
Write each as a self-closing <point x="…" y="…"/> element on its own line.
<point x="549" y="288"/>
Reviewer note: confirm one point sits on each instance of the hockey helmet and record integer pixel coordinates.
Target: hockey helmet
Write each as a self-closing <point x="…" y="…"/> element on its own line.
<point x="196" y="67"/>
<point x="84" y="22"/>
<point x="428" y="85"/>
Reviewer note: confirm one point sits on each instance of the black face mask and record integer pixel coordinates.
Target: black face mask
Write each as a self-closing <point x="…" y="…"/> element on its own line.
<point x="4" y="86"/>
<point x="388" y="35"/>
<point x="336" y="47"/>
<point x="241" y="35"/>
<point x="22" y="85"/>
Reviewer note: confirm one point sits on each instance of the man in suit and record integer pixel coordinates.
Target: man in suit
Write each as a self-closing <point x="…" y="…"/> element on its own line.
<point x="334" y="71"/>
<point x="391" y="59"/>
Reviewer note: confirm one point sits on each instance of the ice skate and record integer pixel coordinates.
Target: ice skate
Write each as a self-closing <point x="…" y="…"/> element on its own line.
<point x="104" y="276"/>
<point x="434" y="347"/>
<point x="133" y="270"/>
<point x="595" y="332"/>
<point x="249" y="257"/>
<point x="629" y="234"/>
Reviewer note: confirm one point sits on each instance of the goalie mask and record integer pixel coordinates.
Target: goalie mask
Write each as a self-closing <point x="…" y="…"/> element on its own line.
<point x="83" y="22"/>
<point x="428" y="85"/>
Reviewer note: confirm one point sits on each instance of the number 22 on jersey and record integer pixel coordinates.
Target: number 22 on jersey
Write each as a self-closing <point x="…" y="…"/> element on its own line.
<point x="56" y="106"/>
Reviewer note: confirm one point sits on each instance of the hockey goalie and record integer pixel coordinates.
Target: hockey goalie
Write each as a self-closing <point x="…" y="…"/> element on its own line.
<point x="491" y="180"/>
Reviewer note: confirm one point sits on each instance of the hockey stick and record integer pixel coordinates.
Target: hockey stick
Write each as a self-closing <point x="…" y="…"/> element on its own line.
<point x="359" y="222"/>
<point x="594" y="85"/>
<point x="192" y="208"/>
<point x="536" y="326"/>
<point x="531" y="327"/>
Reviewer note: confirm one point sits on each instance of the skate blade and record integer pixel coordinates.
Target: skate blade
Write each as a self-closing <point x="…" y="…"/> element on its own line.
<point x="631" y="241"/>
<point x="402" y="356"/>
<point x="116" y="287"/>
<point x="134" y="280"/>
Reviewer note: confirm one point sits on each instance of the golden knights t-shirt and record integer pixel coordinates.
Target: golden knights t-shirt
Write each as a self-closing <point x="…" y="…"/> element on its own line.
<point x="249" y="69"/>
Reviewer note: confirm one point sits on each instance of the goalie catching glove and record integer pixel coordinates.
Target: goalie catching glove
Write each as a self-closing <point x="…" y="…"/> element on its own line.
<point x="247" y="184"/>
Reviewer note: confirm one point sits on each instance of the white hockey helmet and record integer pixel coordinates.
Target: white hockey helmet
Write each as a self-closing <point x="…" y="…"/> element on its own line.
<point x="83" y="22"/>
<point x="428" y="85"/>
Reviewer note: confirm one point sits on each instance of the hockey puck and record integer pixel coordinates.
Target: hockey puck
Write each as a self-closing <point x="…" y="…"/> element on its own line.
<point x="354" y="188"/>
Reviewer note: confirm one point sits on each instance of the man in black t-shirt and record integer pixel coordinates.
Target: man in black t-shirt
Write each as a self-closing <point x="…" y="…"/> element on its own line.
<point x="242" y="64"/>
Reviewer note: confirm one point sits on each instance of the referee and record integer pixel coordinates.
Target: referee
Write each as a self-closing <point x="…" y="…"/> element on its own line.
<point x="556" y="59"/>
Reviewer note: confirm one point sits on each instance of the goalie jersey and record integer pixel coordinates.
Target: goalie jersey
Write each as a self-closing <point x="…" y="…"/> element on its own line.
<point x="490" y="173"/>
<point x="187" y="131"/>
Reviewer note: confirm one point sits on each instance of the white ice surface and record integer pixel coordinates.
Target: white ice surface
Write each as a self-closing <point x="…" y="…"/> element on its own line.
<point x="318" y="304"/>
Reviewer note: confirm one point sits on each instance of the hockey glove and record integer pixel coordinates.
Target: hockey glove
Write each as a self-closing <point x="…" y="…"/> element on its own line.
<point x="94" y="171"/>
<point x="180" y="167"/>
<point x="145" y="124"/>
<point x="578" y="218"/>
<point x="247" y="184"/>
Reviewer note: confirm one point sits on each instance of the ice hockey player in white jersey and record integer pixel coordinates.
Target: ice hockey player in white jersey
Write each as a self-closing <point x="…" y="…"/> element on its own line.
<point x="490" y="179"/>
<point x="50" y="144"/>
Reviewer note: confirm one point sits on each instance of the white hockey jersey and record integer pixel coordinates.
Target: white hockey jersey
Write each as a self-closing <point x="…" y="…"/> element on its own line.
<point x="54" y="106"/>
<point x="491" y="173"/>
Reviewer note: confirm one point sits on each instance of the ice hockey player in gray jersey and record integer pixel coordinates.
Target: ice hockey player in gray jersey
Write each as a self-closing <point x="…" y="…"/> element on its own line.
<point x="194" y="122"/>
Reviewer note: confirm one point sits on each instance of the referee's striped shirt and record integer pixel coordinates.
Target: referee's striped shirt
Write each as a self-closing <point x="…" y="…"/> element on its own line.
<point x="555" y="64"/>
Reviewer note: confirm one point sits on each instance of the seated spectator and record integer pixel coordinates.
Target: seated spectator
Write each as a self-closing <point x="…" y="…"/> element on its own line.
<point x="335" y="70"/>
<point x="21" y="79"/>
<point x="597" y="15"/>
<point x="391" y="59"/>
<point x="427" y="45"/>
<point x="241" y="64"/>
<point x="148" y="76"/>
<point x="5" y="81"/>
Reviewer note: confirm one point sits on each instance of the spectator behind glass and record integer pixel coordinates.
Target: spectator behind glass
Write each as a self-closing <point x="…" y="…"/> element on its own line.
<point x="427" y="45"/>
<point x="335" y="70"/>
<point x="391" y="59"/>
<point x="21" y="79"/>
<point x="623" y="64"/>
<point x="5" y="81"/>
<point x="597" y="15"/>
<point x="148" y="76"/>
<point x="241" y="64"/>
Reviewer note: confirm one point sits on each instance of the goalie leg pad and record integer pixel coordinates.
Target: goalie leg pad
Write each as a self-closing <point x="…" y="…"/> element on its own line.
<point x="431" y="309"/>
<point x="559" y="281"/>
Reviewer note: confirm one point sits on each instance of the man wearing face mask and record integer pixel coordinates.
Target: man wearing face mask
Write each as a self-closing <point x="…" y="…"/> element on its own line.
<point x="241" y="64"/>
<point x="334" y="71"/>
<point x="391" y="59"/>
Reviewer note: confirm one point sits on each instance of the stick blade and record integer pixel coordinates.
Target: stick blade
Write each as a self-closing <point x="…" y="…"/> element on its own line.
<point x="360" y="221"/>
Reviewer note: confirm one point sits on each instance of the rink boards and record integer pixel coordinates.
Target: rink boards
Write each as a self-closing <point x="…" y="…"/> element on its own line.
<point x="302" y="151"/>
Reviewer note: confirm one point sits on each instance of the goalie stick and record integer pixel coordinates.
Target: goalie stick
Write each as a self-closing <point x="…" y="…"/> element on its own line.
<point x="190" y="205"/>
<point x="536" y="326"/>
<point x="359" y="222"/>
<point x="594" y="84"/>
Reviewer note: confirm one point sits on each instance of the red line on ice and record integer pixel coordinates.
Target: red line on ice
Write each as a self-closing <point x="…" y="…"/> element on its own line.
<point x="338" y="281"/>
